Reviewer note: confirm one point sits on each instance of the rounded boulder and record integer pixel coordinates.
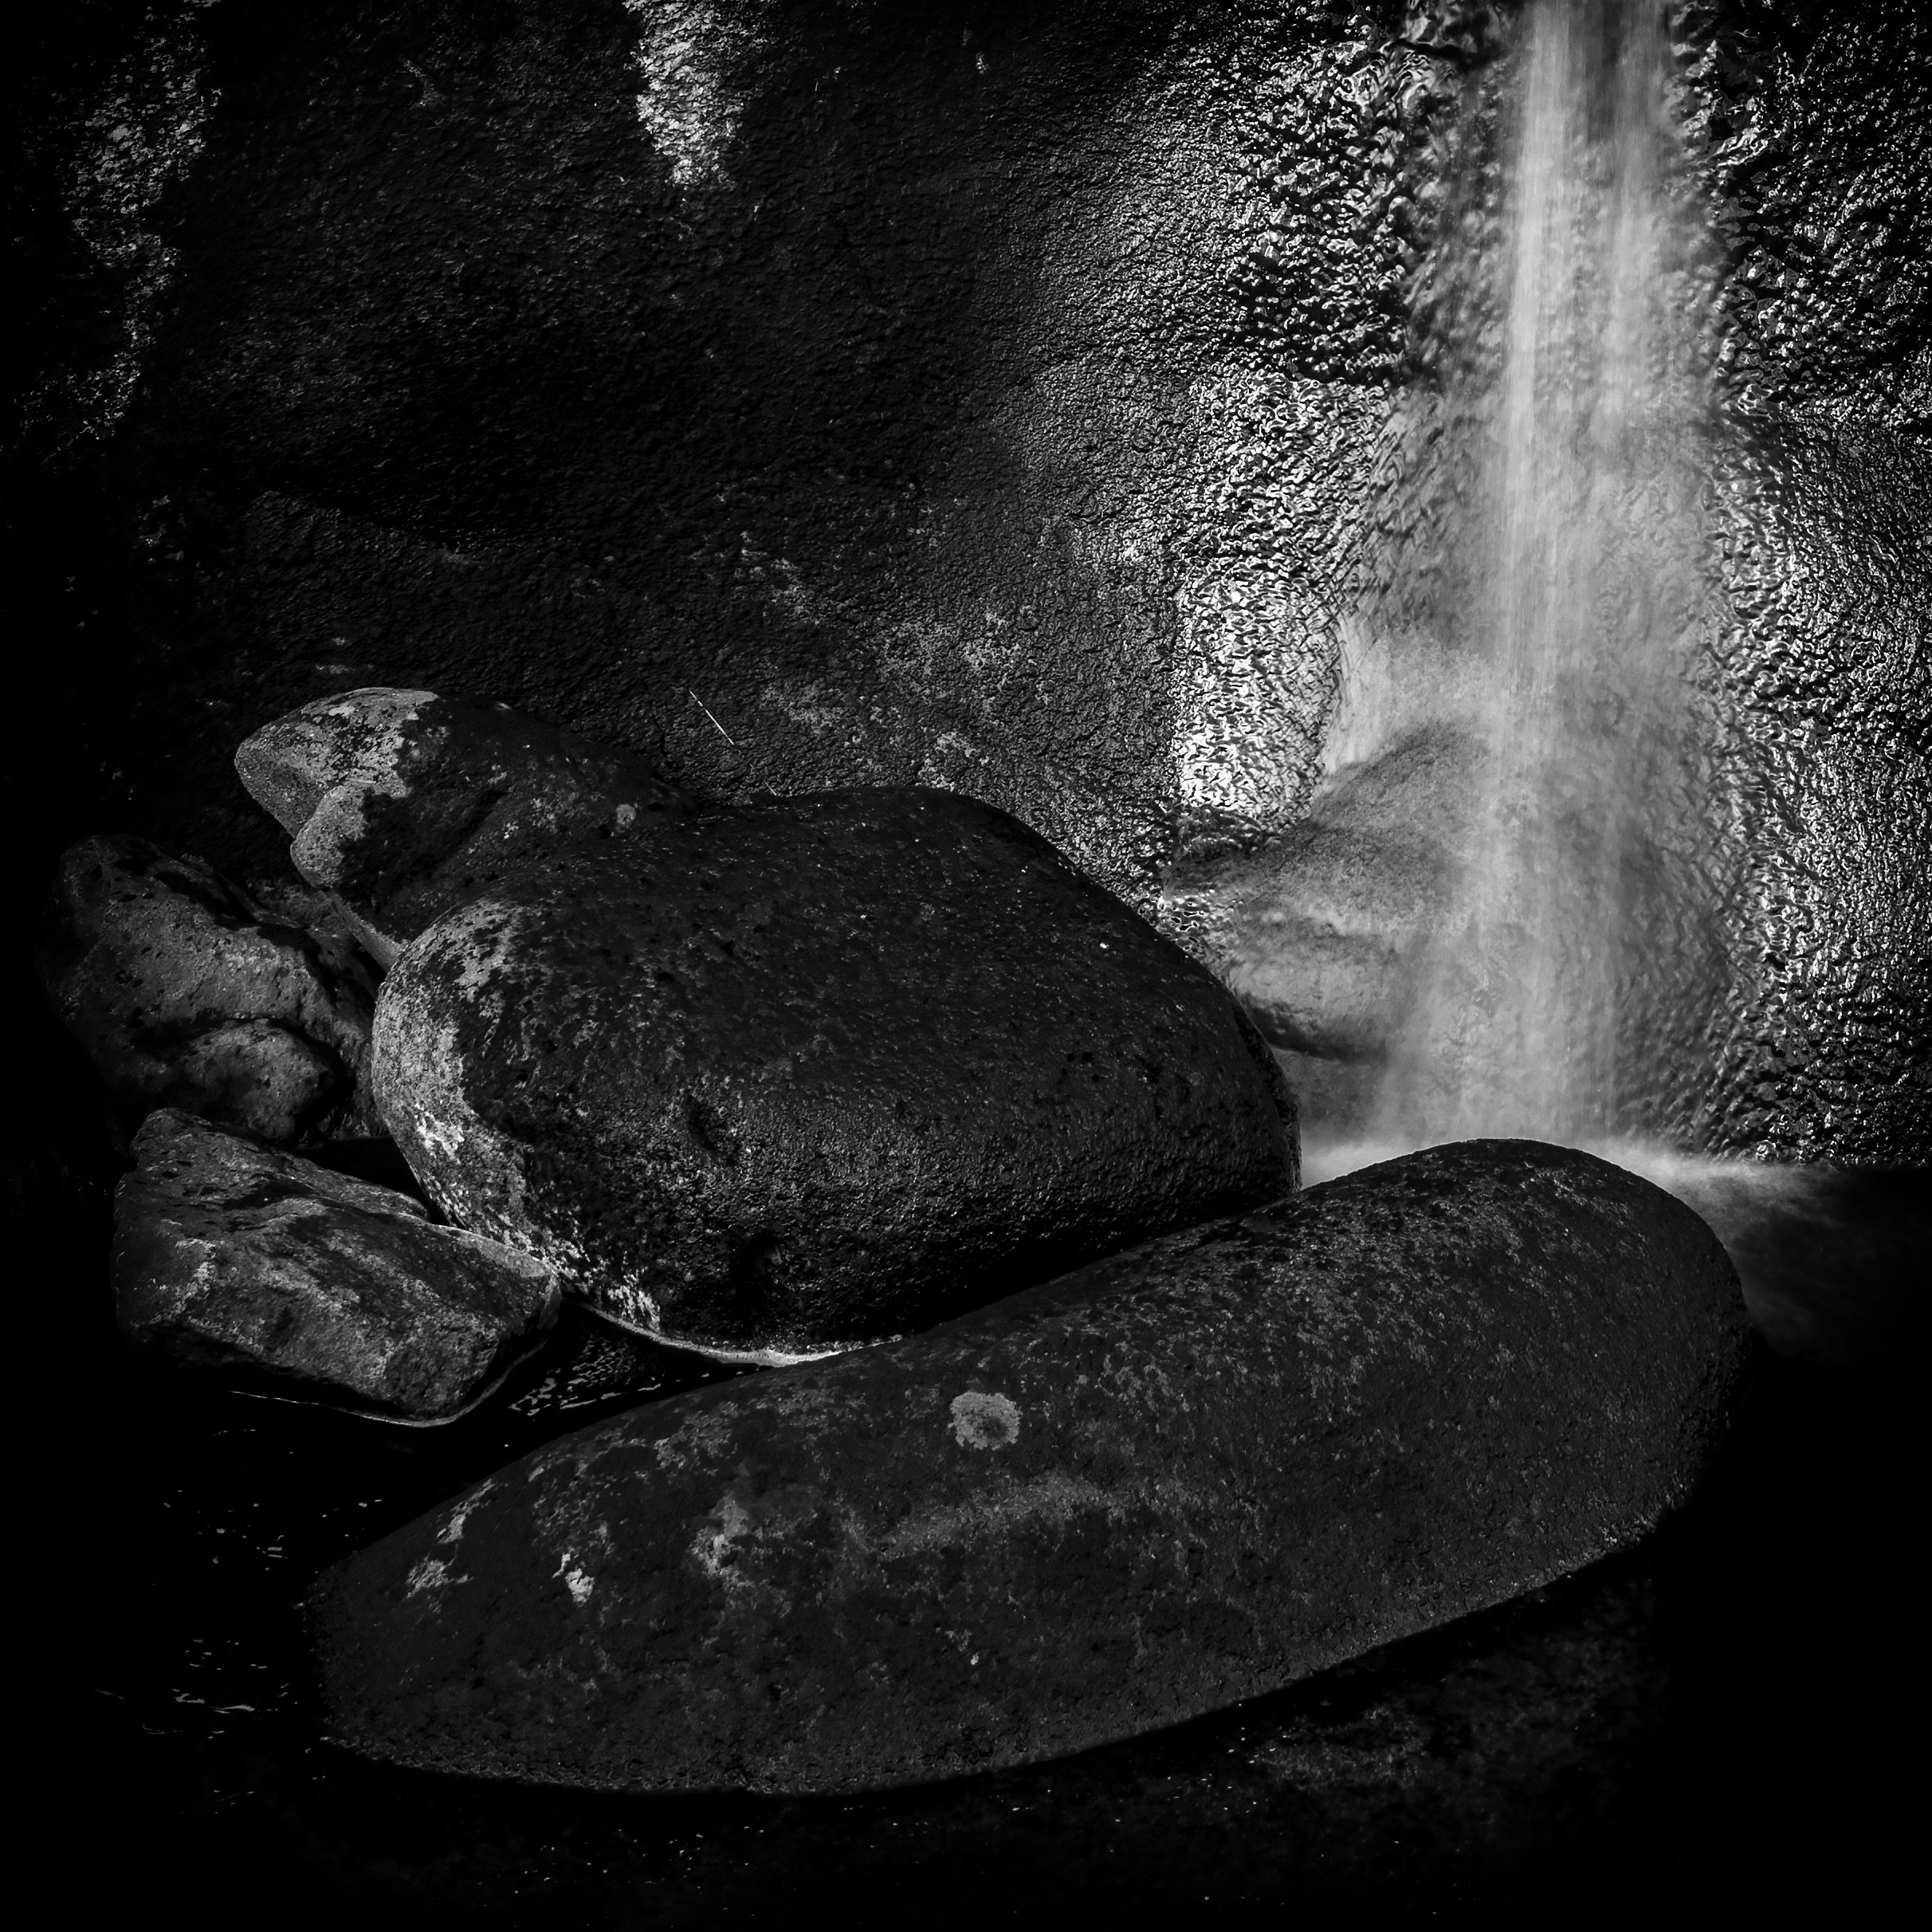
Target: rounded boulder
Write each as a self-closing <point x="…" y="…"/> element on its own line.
<point x="782" y="1080"/>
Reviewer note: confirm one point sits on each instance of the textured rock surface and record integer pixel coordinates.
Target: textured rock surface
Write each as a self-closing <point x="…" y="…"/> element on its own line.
<point x="1168" y="1482"/>
<point x="784" y="1079"/>
<point x="396" y="799"/>
<point x="231" y="1254"/>
<point x="187" y="991"/>
<point x="1006" y="412"/>
<point x="1320" y="933"/>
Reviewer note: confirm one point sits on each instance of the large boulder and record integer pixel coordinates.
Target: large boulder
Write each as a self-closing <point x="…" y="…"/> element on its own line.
<point x="1172" y="1480"/>
<point x="232" y="1254"/>
<point x="187" y="991"/>
<point x="394" y="797"/>
<point x="780" y="1080"/>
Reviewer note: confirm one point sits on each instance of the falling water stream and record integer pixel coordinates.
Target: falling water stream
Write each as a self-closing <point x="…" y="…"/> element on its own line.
<point x="1561" y="644"/>
<point x="1580" y="580"/>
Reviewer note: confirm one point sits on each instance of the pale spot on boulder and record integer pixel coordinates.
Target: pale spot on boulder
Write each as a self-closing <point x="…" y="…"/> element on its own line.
<point x="984" y="1422"/>
<point x="431" y="1573"/>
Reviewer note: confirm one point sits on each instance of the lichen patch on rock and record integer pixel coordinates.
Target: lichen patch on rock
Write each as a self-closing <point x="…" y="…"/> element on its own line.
<point x="984" y="1422"/>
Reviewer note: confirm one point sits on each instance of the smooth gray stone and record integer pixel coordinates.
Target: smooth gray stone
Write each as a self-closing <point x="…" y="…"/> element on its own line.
<point x="187" y="991"/>
<point x="782" y="1080"/>
<point x="1174" y="1480"/>
<point x="232" y="1254"/>
<point x="395" y="797"/>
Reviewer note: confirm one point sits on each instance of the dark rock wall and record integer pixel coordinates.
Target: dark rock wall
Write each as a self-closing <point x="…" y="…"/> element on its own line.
<point x="965" y="399"/>
<point x="807" y="395"/>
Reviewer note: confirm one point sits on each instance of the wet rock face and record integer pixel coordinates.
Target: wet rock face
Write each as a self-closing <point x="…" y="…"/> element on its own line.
<point x="1322" y="933"/>
<point x="1003" y="412"/>
<point x="1170" y="1481"/>
<point x="187" y="991"/>
<point x="395" y="798"/>
<point x="232" y="1255"/>
<point x="780" y="1080"/>
<point x="923" y="401"/>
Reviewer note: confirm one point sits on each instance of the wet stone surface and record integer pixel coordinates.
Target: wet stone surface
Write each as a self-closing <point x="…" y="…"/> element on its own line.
<point x="251" y="1489"/>
<point x="1711" y="1716"/>
<point x="1693" y="1714"/>
<point x="803" y="397"/>
<point x="1184" y="1476"/>
<point x="421" y="212"/>
<point x="186" y="991"/>
<point x="398" y="800"/>
<point x="776" y="1081"/>
<point x="233" y="1256"/>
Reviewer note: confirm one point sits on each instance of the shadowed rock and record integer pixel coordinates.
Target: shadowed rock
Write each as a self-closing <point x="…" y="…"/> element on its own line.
<point x="394" y="798"/>
<point x="187" y="991"/>
<point x="231" y="1254"/>
<point x="781" y="1080"/>
<point x="1174" y="1480"/>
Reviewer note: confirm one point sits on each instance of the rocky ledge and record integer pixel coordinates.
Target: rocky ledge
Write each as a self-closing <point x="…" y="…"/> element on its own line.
<point x="1165" y="1483"/>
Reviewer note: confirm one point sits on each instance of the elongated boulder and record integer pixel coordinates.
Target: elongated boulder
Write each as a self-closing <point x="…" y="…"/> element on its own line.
<point x="232" y="1254"/>
<point x="186" y="991"/>
<point x="394" y="798"/>
<point x="778" y="1081"/>
<point x="1172" y="1480"/>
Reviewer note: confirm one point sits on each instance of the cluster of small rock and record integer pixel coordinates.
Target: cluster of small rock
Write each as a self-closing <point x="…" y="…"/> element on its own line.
<point x="767" y="1082"/>
<point x="1151" y="1431"/>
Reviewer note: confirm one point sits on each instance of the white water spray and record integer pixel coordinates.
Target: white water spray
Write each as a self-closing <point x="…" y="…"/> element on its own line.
<point x="1576" y="584"/>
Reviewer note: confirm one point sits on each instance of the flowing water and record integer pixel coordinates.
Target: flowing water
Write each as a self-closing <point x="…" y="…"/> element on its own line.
<point x="1557" y="606"/>
<point x="1573" y="410"/>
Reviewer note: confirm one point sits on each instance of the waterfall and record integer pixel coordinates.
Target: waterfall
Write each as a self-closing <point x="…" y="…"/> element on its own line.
<point x="1541" y="607"/>
<point x="1569" y="599"/>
